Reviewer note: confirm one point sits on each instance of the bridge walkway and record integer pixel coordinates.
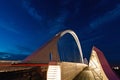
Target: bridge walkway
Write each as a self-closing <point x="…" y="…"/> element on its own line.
<point x="88" y="73"/>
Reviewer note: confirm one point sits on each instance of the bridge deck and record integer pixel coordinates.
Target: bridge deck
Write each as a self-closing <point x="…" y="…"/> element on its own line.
<point x="88" y="73"/>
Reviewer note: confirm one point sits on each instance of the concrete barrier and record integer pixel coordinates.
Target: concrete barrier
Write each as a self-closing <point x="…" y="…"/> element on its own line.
<point x="68" y="70"/>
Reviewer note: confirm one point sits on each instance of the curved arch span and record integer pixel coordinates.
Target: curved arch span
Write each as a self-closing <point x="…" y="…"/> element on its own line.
<point x="42" y="54"/>
<point x="76" y="40"/>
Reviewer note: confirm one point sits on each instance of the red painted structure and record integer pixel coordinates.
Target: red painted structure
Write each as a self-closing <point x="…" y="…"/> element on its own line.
<point x="106" y="67"/>
<point x="24" y="64"/>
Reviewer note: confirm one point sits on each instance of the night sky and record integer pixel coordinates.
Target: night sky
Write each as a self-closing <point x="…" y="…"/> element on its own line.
<point x="25" y="25"/>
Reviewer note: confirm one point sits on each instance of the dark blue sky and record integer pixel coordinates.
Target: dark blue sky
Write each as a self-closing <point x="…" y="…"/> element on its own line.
<point x="25" y="25"/>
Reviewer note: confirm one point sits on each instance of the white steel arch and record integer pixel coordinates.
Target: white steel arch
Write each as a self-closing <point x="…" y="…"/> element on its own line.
<point x="76" y="40"/>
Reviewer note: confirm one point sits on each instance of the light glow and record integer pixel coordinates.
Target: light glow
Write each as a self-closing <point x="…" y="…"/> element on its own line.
<point x="54" y="72"/>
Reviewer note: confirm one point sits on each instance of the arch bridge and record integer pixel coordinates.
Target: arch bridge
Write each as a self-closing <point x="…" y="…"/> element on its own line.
<point x="60" y="65"/>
